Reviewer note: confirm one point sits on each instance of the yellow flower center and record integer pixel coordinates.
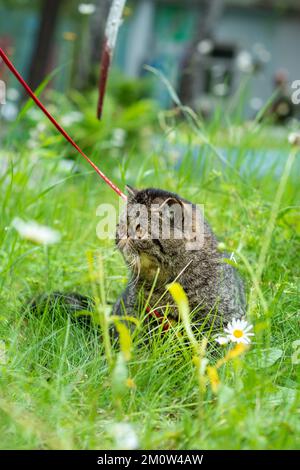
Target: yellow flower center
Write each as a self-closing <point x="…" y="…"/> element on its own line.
<point x="238" y="333"/>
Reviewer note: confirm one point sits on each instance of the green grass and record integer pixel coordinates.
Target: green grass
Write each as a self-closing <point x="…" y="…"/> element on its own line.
<point x="57" y="388"/>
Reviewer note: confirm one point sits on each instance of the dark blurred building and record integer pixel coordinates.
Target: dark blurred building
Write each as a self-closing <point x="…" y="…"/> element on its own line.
<point x="249" y="38"/>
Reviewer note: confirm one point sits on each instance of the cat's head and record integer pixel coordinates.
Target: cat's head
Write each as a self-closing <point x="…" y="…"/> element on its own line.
<point x="155" y="230"/>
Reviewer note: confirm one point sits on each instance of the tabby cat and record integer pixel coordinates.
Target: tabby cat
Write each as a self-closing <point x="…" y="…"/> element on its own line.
<point x="165" y="238"/>
<point x="189" y="254"/>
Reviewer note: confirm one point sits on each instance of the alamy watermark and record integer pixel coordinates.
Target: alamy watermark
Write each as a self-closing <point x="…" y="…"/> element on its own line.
<point x="2" y="92"/>
<point x="296" y="94"/>
<point x="170" y="220"/>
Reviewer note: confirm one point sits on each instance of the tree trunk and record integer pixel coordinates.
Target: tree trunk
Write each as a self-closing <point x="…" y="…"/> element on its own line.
<point x="44" y="42"/>
<point x="90" y="48"/>
<point x="98" y="29"/>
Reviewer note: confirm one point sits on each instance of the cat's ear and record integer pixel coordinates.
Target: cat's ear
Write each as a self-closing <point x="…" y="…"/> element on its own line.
<point x="132" y="192"/>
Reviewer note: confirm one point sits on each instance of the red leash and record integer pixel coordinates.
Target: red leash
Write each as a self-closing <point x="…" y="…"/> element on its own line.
<point x="154" y="313"/>
<point x="166" y="324"/>
<point x="58" y="126"/>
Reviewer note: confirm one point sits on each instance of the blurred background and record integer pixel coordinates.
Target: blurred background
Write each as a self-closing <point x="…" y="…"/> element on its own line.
<point x="210" y="50"/>
<point x="233" y="63"/>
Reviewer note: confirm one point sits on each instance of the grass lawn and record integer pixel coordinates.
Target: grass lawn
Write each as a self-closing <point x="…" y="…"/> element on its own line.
<point x="58" y="391"/>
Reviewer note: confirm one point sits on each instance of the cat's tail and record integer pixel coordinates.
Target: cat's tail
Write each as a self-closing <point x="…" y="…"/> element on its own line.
<point x="71" y="304"/>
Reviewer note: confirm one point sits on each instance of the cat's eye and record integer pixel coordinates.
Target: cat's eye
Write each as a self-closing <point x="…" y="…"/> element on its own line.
<point x="139" y="231"/>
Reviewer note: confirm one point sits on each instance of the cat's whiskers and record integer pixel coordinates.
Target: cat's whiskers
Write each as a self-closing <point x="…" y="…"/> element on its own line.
<point x="136" y="264"/>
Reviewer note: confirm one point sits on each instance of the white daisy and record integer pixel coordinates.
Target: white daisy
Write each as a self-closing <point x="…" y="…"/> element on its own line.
<point x="294" y="138"/>
<point x="35" y="232"/>
<point x="222" y="340"/>
<point x="86" y="8"/>
<point x="238" y="331"/>
<point x="124" y="435"/>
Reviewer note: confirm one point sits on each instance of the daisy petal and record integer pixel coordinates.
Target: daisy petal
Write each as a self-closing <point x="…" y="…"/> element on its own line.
<point x="222" y="340"/>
